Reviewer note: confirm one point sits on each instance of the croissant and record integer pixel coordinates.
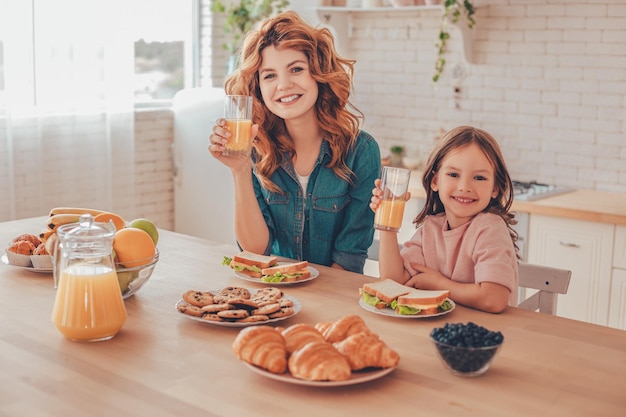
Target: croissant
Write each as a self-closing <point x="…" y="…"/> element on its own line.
<point x="366" y="350"/>
<point x="344" y="327"/>
<point x="322" y="326"/>
<point x="299" y="335"/>
<point x="262" y="346"/>
<point x="319" y="361"/>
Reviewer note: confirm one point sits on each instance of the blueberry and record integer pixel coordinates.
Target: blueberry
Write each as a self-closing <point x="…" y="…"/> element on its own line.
<point x="468" y="335"/>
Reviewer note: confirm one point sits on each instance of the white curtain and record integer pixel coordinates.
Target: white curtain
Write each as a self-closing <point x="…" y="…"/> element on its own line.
<point x="66" y="107"/>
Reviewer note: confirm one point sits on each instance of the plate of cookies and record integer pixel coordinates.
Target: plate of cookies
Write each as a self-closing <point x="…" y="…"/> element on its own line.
<point x="238" y="306"/>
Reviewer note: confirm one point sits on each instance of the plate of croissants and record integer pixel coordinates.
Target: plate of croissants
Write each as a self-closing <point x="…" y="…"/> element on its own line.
<point x="327" y="354"/>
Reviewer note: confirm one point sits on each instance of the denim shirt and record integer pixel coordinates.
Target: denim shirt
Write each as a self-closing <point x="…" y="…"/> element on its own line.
<point x="332" y="221"/>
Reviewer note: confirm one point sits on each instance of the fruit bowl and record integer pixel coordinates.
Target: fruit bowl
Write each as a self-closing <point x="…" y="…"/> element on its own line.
<point x="132" y="279"/>
<point x="466" y="349"/>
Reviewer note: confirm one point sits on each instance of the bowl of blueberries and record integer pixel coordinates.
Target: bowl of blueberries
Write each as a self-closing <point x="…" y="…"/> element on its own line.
<point x="466" y="349"/>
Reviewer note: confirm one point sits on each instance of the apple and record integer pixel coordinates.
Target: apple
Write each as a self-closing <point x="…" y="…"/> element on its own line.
<point x="147" y="226"/>
<point x="124" y="279"/>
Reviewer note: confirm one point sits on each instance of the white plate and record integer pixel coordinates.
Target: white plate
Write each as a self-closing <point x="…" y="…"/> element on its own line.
<point x="5" y="260"/>
<point x="314" y="274"/>
<point x="296" y="309"/>
<point x="389" y="312"/>
<point x="357" y="377"/>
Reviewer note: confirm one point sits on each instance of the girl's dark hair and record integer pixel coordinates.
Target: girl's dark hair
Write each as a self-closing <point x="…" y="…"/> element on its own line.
<point x="457" y="138"/>
<point x="333" y="75"/>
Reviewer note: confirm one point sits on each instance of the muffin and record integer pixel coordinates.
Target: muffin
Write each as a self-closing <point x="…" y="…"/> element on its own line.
<point x="40" y="257"/>
<point x="34" y="239"/>
<point x="19" y="252"/>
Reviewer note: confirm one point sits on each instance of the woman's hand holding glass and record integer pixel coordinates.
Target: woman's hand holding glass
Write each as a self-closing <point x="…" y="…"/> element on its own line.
<point x="218" y="140"/>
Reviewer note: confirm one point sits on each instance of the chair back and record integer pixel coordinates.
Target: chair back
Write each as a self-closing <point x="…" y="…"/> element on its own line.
<point x="548" y="281"/>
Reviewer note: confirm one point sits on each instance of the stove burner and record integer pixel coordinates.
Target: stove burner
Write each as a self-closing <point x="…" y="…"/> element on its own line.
<point x="534" y="190"/>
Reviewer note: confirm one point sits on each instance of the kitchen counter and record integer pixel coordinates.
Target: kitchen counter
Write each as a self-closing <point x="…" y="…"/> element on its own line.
<point x="163" y="364"/>
<point x="587" y="205"/>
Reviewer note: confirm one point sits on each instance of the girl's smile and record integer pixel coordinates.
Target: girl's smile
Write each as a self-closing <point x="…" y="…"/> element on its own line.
<point x="465" y="182"/>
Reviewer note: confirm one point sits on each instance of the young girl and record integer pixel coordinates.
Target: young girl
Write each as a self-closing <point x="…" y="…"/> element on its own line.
<point x="464" y="240"/>
<point x="304" y="193"/>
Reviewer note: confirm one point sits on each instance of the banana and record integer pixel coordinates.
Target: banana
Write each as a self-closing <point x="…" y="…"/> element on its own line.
<point x="45" y="234"/>
<point x="57" y="220"/>
<point x="74" y="210"/>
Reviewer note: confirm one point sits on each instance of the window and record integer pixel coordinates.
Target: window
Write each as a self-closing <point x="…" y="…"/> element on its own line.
<point x="162" y="37"/>
<point x="50" y="56"/>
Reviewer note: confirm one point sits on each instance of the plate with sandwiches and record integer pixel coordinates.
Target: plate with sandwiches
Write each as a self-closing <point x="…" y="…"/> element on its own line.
<point x="390" y="298"/>
<point x="267" y="269"/>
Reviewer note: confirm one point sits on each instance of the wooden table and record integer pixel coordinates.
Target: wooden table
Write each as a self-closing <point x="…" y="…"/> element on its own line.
<point x="162" y="364"/>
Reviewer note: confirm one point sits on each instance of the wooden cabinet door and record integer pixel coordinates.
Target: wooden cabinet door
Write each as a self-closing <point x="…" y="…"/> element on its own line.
<point x="585" y="248"/>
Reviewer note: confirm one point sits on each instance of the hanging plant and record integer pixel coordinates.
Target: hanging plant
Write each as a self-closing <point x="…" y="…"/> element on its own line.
<point x="452" y="12"/>
<point x="242" y="16"/>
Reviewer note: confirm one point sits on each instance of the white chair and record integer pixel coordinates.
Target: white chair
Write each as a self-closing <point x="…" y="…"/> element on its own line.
<point x="550" y="282"/>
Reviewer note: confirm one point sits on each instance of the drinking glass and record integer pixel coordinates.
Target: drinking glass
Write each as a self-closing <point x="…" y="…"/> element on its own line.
<point x="238" y="115"/>
<point x="395" y="184"/>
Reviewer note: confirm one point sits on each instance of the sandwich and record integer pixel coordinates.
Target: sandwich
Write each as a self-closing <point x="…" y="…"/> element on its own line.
<point x="422" y="302"/>
<point x="381" y="294"/>
<point x="286" y="272"/>
<point x="405" y="300"/>
<point x="249" y="263"/>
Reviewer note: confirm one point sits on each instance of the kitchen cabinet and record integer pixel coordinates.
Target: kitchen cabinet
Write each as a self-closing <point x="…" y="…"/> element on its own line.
<point x="586" y="249"/>
<point x="617" y="306"/>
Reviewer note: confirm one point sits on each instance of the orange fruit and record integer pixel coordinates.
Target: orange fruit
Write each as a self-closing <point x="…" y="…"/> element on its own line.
<point x="106" y="217"/>
<point x="133" y="247"/>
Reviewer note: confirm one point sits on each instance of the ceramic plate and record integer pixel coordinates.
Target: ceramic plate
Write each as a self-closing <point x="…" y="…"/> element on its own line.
<point x="5" y="260"/>
<point x="296" y="309"/>
<point x="389" y="312"/>
<point x="314" y="274"/>
<point x="357" y="377"/>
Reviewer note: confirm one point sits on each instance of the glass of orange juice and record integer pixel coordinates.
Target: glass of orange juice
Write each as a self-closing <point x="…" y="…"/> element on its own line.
<point x="238" y="115"/>
<point x="395" y="184"/>
<point x="88" y="306"/>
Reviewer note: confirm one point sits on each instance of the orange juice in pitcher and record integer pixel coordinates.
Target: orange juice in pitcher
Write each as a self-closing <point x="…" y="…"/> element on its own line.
<point x="88" y="306"/>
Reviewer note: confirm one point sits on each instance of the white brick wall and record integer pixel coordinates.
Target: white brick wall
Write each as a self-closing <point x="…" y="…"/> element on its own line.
<point x="548" y="82"/>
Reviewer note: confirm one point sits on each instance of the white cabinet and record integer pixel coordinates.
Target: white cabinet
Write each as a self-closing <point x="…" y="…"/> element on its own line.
<point x="586" y="249"/>
<point x="617" y="306"/>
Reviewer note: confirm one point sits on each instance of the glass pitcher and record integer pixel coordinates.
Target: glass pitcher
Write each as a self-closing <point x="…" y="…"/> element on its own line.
<point x="88" y="306"/>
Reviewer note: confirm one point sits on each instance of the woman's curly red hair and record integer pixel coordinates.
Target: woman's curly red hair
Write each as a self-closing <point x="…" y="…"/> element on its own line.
<point x="333" y="75"/>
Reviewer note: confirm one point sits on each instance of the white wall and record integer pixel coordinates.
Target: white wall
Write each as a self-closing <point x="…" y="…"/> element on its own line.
<point x="548" y="82"/>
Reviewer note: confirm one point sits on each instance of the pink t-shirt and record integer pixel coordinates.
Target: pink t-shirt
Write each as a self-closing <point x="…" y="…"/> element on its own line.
<point x="479" y="251"/>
